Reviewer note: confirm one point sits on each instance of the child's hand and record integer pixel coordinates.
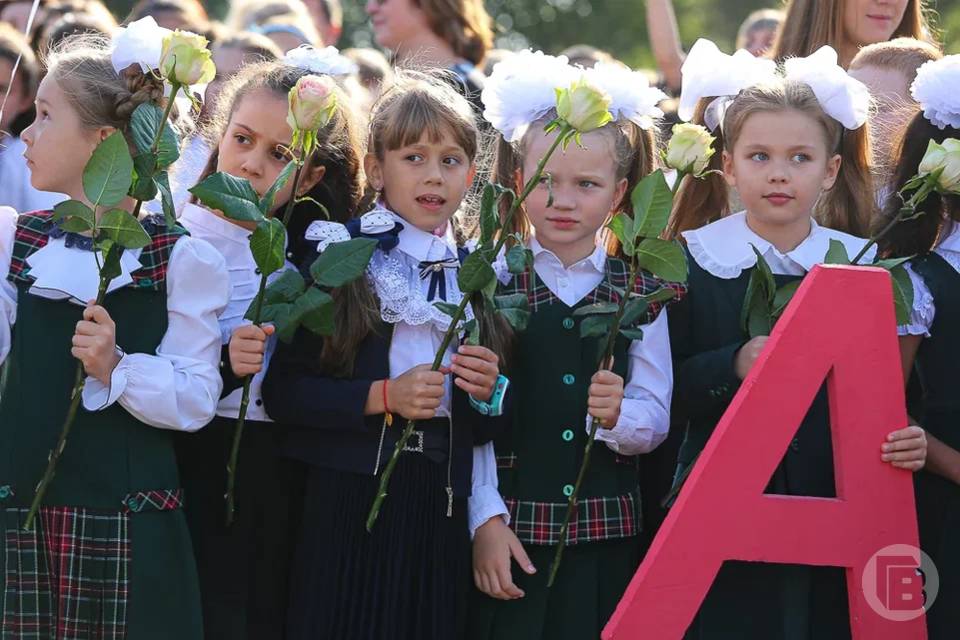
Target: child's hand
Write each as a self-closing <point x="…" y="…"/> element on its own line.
<point x="95" y="343"/>
<point x="605" y="397"/>
<point x="906" y="449"/>
<point x="747" y="356"/>
<point x="247" y="346"/>
<point x="493" y="546"/>
<point x="416" y="394"/>
<point x="477" y="369"/>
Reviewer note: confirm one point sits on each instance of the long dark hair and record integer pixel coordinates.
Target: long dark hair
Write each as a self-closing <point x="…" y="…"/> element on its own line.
<point x="338" y="149"/>
<point x="920" y="235"/>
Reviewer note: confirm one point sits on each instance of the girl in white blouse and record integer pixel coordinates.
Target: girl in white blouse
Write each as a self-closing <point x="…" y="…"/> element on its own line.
<point x="110" y="553"/>
<point x="244" y="567"/>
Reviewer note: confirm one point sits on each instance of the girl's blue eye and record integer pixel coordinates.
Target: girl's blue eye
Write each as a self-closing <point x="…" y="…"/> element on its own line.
<point x="801" y="157"/>
<point x="760" y="156"/>
<point x="452" y="160"/>
<point x="239" y="137"/>
<point x="414" y="157"/>
<point x="587" y="184"/>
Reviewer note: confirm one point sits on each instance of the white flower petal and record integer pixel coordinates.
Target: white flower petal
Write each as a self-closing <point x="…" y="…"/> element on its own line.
<point x="326" y="61"/>
<point x="376" y="222"/>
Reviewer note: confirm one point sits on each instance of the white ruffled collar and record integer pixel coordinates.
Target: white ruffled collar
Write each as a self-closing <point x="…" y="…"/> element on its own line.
<point x="723" y="248"/>
<point x="395" y="277"/>
<point x="70" y="273"/>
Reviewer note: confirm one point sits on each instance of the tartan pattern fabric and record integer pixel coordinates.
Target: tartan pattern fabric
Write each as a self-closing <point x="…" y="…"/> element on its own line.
<point x="68" y="578"/>
<point x="33" y="234"/>
<point x="163" y="500"/>
<point x="617" y="273"/>
<point x="605" y="518"/>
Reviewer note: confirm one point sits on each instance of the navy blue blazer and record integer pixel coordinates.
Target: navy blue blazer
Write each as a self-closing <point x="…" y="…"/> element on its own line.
<point x="327" y="427"/>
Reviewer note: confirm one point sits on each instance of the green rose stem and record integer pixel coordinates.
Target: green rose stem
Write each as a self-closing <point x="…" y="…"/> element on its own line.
<point x="594" y="423"/>
<point x="75" y="398"/>
<point x="594" y="426"/>
<point x="906" y="212"/>
<point x="233" y="462"/>
<point x="564" y="133"/>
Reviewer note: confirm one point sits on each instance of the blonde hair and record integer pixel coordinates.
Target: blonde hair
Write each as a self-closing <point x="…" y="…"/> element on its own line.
<point x="634" y="155"/>
<point x="811" y="24"/>
<point x="905" y="55"/>
<point x="82" y="68"/>
<point x="848" y="206"/>
<point x="464" y="24"/>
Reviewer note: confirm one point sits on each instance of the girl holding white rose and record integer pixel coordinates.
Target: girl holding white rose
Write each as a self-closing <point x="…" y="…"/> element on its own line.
<point x="244" y="566"/>
<point x="109" y="553"/>
<point x="347" y="396"/>
<point x="537" y="461"/>
<point x="790" y="155"/>
<point x="930" y="342"/>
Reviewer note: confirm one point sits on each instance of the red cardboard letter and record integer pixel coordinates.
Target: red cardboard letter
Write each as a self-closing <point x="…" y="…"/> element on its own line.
<point x="839" y="327"/>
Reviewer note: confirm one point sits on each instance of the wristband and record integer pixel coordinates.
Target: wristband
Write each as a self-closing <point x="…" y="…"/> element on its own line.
<point x="494" y="406"/>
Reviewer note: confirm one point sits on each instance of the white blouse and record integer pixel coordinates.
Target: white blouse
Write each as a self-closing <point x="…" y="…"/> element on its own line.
<point x="723" y="248"/>
<point x="178" y="387"/>
<point x="645" y="410"/>
<point x="232" y="241"/>
<point x="924" y="309"/>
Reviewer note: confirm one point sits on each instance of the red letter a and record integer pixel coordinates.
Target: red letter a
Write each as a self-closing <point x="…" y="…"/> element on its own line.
<point x="839" y="327"/>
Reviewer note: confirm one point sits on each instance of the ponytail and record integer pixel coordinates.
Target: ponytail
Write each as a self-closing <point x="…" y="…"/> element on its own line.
<point x="701" y="201"/>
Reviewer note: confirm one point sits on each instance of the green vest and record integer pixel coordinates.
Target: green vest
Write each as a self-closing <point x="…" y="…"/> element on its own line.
<point x="109" y="454"/>
<point x="539" y="458"/>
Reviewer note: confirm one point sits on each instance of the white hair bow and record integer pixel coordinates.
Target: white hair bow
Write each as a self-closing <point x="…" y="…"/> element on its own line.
<point x="842" y="97"/>
<point x="141" y="42"/>
<point x="523" y="88"/>
<point x="936" y="90"/>
<point x="327" y="61"/>
<point x="708" y="72"/>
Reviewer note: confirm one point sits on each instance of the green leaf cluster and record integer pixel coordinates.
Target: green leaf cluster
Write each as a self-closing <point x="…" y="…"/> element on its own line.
<point x="150" y="175"/>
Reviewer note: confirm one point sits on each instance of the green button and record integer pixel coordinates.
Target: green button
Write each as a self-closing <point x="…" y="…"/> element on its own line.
<point x="146" y="282"/>
<point x="569" y="379"/>
<point x="4" y="492"/>
<point x="133" y="504"/>
<point x="568" y="323"/>
<point x="568" y="490"/>
<point x="568" y="435"/>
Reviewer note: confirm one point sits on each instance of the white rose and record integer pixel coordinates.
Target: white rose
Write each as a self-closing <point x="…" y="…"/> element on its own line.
<point x="944" y="158"/>
<point x="690" y="149"/>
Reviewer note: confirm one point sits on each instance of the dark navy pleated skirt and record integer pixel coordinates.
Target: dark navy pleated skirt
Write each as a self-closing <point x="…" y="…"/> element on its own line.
<point x="407" y="580"/>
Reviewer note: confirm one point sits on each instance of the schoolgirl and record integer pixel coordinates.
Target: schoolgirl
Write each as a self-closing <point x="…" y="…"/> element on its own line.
<point x="929" y="340"/>
<point x="408" y="578"/>
<point x="244" y="567"/>
<point x="557" y="388"/>
<point x="784" y="149"/>
<point x="110" y="553"/>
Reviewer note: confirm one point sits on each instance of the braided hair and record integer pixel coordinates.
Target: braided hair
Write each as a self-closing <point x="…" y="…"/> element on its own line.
<point x="101" y="97"/>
